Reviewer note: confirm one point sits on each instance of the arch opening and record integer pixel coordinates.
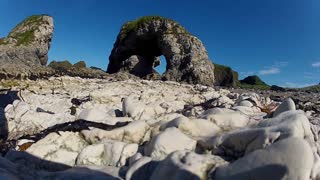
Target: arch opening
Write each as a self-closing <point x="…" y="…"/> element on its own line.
<point x="162" y="67"/>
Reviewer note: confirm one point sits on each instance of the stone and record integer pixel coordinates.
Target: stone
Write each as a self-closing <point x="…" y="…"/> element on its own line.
<point x="110" y="153"/>
<point x="196" y="128"/>
<point x="246" y="140"/>
<point x="142" y="169"/>
<point x="289" y="158"/>
<point x="246" y="103"/>
<point x="286" y="105"/>
<point x="24" y="52"/>
<point x="61" y="148"/>
<point x="170" y="140"/>
<point x="134" y="132"/>
<point x="186" y="165"/>
<point x="153" y="36"/>
<point x="228" y="120"/>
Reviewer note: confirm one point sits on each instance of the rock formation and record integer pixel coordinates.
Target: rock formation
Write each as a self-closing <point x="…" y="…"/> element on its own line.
<point x="225" y="76"/>
<point x="141" y="42"/>
<point x="73" y="128"/>
<point x="25" y="50"/>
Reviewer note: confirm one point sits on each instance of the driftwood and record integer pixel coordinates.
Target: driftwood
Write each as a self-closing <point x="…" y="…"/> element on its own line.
<point x="74" y="126"/>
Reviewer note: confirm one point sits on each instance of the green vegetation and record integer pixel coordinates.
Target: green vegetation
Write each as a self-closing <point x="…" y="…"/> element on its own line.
<point x="25" y="37"/>
<point x="9" y="84"/>
<point x="253" y="82"/>
<point x="61" y="66"/>
<point x="2" y="41"/>
<point x="315" y="89"/>
<point x="132" y="26"/>
<point x="80" y="64"/>
<point x="225" y="76"/>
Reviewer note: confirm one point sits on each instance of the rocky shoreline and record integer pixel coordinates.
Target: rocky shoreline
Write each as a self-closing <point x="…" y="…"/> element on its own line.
<point x="69" y="127"/>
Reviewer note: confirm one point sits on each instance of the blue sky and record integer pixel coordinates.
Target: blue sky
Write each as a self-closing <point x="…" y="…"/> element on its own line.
<point x="279" y="40"/>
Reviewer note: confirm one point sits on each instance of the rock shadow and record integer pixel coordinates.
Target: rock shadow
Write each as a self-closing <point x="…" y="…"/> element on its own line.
<point x="22" y="165"/>
<point x="6" y="97"/>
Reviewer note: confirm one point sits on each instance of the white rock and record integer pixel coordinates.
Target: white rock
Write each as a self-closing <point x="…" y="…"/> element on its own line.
<point x="134" y="132"/>
<point x="197" y="128"/>
<point x="95" y="115"/>
<point x="246" y="103"/>
<point x="63" y="148"/>
<point x="287" y="124"/>
<point x="286" y="105"/>
<point x="172" y="139"/>
<point x="289" y="158"/>
<point x="229" y="120"/>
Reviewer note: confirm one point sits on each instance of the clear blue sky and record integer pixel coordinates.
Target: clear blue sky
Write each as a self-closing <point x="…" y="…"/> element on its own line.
<point x="277" y="39"/>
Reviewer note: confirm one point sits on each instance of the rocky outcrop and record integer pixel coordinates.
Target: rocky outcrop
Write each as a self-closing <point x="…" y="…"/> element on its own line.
<point x="225" y="76"/>
<point x="78" y="69"/>
<point x="141" y="42"/>
<point x="25" y="50"/>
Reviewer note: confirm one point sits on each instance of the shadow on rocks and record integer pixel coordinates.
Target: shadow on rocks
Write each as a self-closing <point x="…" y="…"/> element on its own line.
<point x="267" y="172"/>
<point x="22" y="165"/>
<point x="6" y="97"/>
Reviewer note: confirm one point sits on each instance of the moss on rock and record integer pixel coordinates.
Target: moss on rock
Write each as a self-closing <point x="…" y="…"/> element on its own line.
<point x="225" y="76"/>
<point x="61" y="66"/>
<point x="25" y="37"/>
<point x="132" y="26"/>
<point x="80" y="64"/>
<point x="253" y="82"/>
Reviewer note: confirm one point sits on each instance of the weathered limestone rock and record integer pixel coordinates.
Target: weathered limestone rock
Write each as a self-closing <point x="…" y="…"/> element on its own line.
<point x="172" y="139"/>
<point x="63" y="148"/>
<point x="285" y="159"/>
<point x="134" y="132"/>
<point x="286" y="105"/>
<point x="25" y="50"/>
<point x="111" y="153"/>
<point x="143" y="40"/>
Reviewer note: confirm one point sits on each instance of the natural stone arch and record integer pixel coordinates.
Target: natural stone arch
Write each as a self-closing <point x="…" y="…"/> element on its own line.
<point x="141" y="42"/>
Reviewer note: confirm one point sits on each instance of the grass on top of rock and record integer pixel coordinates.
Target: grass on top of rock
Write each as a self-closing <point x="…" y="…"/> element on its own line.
<point x="225" y="75"/>
<point x="132" y="26"/>
<point x="61" y="65"/>
<point x="3" y="41"/>
<point x="8" y="84"/>
<point x="26" y="37"/>
<point x="253" y="82"/>
<point x="80" y="64"/>
<point x="314" y="89"/>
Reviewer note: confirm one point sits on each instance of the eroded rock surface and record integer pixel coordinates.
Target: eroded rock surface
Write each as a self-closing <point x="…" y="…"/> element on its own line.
<point x="139" y="129"/>
<point x="141" y="42"/>
<point x="24" y="52"/>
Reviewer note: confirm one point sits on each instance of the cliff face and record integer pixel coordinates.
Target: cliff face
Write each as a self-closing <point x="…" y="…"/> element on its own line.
<point x="25" y="50"/>
<point x="150" y="37"/>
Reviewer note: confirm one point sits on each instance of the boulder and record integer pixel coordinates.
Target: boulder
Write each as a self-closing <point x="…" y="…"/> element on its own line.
<point x="290" y="158"/>
<point x="286" y="105"/>
<point x="135" y="132"/>
<point x="227" y="120"/>
<point x="153" y="36"/>
<point x="246" y="140"/>
<point x="110" y="153"/>
<point x="196" y="128"/>
<point x="61" y="148"/>
<point x="172" y="139"/>
<point x="24" y="52"/>
<point x="186" y="165"/>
